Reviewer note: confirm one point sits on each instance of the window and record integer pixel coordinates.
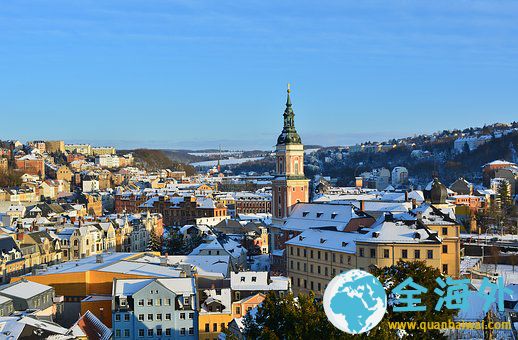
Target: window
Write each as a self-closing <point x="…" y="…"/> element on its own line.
<point x="404" y="253"/>
<point x="141" y="302"/>
<point x="445" y="230"/>
<point x="305" y="252"/>
<point x="318" y="255"/>
<point x="298" y="251"/>
<point x="182" y="316"/>
<point x="150" y="317"/>
<point x="126" y="317"/>
<point x="214" y="327"/>
<point x="141" y="332"/>
<point x="445" y="249"/>
<point x="159" y="316"/>
<point x="150" y="332"/>
<point x="361" y="252"/>
<point x="159" y="331"/>
<point x="168" y="316"/>
<point x="325" y="256"/>
<point x="207" y="328"/>
<point x="159" y="302"/>
<point x="238" y="311"/>
<point x="126" y="333"/>
<point x="150" y="302"/>
<point x="117" y="317"/>
<point x="325" y="270"/>
<point x="186" y="300"/>
<point x="298" y="281"/>
<point x="319" y="287"/>
<point x="318" y="269"/>
<point x="191" y="331"/>
<point x="168" y="331"/>
<point x="222" y="326"/>
<point x="312" y="286"/>
<point x="386" y="253"/>
<point x="167" y="302"/>
<point x="373" y="252"/>
<point x="191" y="315"/>
<point x="430" y="254"/>
<point x="118" y="333"/>
<point x="311" y="253"/>
<point x="445" y="268"/>
<point x="182" y="330"/>
<point x="311" y="268"/>
<point x="141" y="317"/>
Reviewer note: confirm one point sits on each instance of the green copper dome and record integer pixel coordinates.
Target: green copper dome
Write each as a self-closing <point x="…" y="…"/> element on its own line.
<point x="289" y="134"/>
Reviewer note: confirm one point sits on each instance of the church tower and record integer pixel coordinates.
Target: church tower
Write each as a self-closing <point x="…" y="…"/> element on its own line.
<point x="289" y="186"/>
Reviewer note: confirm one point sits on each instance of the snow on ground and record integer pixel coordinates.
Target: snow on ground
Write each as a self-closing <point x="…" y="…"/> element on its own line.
<point x="227" y="161"/>
<point x="260" y="263"/>
<point x="507" y="271"/>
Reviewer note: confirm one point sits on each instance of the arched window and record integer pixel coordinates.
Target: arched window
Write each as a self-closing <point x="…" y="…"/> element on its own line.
<point x="296" y="167"/>
<point x="75" y="242"/>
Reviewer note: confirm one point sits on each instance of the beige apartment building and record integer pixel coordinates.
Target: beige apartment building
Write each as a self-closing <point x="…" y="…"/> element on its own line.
<point x="315" y="256"/>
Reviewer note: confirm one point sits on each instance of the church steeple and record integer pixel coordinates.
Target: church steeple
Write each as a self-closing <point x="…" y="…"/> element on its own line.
<point x="289" y="134"/>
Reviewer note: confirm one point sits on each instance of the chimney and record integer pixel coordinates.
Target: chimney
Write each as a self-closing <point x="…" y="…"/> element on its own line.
<point x="362" y="205"/>
<point x="163" y="260"/>
<point x="406" y="196"/>
<point x="99" y="258"/>
<point x="359" y="182"/>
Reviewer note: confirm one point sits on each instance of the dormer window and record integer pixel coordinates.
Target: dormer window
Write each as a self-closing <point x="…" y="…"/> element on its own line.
<point x="319" y="214"/>
<point x="254" y="279"/>
<point x="305" y="213"/>
<point x="344" y="244"/>
<point x="333" y="216"/>
<point x="322" y="240"/>
<point x="301" y="238"/>
<point x="242" y="279"/>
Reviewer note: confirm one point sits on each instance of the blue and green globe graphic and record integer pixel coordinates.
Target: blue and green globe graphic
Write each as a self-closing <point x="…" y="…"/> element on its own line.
<point x="355" y="301"/>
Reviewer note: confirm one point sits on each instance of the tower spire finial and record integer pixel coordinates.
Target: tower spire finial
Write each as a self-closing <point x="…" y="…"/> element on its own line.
<point x="289" y="88"/>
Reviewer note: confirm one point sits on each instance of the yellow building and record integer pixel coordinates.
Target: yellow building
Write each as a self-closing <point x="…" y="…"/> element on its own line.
<point x="316" y="255"/>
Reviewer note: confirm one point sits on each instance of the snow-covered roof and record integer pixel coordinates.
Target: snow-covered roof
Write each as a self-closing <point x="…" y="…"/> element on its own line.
<point x="312" y="215"/>
<point x="206" y="265"/>
<point x="24" y="289"/>
<point x="180" y="285"/>
<point x="258" y="281"/>
<point x="338" y="241"/>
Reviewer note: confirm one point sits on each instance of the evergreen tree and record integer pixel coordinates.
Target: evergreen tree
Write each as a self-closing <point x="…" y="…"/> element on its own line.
<point x="505" y="199"/>
<point x="175" y="243"/>
<point x="289" y="318"/>
<point x="423" y="275"/>
<point x="155" y="241"/>
<point x="191" y="243"/>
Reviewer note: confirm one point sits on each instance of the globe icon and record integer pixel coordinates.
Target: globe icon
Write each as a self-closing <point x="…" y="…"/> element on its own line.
<point x="355" y="301"/>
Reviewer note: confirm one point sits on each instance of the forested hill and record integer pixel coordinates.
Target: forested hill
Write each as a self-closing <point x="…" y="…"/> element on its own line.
<point x="157" y="159"/>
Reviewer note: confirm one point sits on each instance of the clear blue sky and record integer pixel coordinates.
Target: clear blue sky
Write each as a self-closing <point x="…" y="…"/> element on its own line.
<point x="187" y="73"/>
